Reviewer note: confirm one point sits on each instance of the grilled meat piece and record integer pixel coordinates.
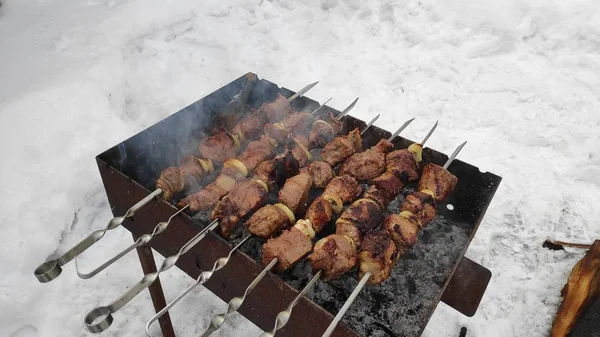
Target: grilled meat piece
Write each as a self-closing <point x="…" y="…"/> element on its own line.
<point x="402" y="164"/>
<point x="362" y="217"/>
<point x="377" y="256"/>
<point x="247" y="196"/>
<point x="275" y="171"/>
<point x="294" y="193"/>
<point x="341" y="148"/>
<point x="301" y="156"/>
<point x="289" y="248"/>
<point x="344" y="187"/>
<point x="438" y="180"/>
<point x="296" y="123"/>
<point x="403" y="229"/>
<point x="581" y="290"/>
<point x="421" y="205"/>
<point x="321" y="173"/>
<point x="335" y="255"/>
<point x="250" y="127"/>
<point x="368" y="164"/>
<point x="218" y="147"/>
<point x="389" y="184"/>
<point x="189" y="173"/>
<point x="258" y="151"/>
<point x="323" y="131"/>
<point x="277" y="110"/>
<point x="267" y="221"/>
<point x="319" y="213"/>
<point x="375" y="194"/>
<point x="210" y="195"/>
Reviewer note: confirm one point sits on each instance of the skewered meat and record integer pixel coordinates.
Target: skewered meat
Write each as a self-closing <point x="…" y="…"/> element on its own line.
<point x="403" y="229"/>
<point x="421" y="205"/>
<point x="294" y="123"/>
<point x="582" y="288"/>
<point x="323" y="131"/>
<point x="247" y="196"/>
<point x="341" y="148"/>
<point x="175" y="179"/>
<point x="368" y="164"/>
<point x="437" y="180"/>
<point x="275" y="171"/>
<point x="268" y="220"/>
<point x="210" y="195"/>
<point x="294" y="193"/>
<point x="363" y="216"/>
<point x="378" y="196"/>
<point x="301" y="154"/>
<point x="218" y="147"/>
<point x="403" y="164"/>
<point x="321" y="173"/>
<point x="291" y="246"/>
<point x="339" y="191"/>
<point x="249" y="128"/>
<point x="389" y="185"/>
<point x="377" y="256"/>
<point x="276" y="110"/>
<point x="344" y="187"/>
<point x="258" y="151"/>
<point x="335" y="255"/>
<point x="319" y="213"/>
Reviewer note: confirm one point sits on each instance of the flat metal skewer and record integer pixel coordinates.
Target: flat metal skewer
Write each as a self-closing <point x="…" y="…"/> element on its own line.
<point x="142" y="240"/>
<point x="320" y="106"/>
<point x="284" y="316"/>
<point x="368" y="275"/>
<point x="350" y="107"/>
<point x="202" y="278"/>
<point x="370" y="123"/>
<point x="302" y="91"/>
<point x="429" y="133"/>
<point x="50" y="270"/>
<point x="400" y="129"/>
<point x="100" y="318"/>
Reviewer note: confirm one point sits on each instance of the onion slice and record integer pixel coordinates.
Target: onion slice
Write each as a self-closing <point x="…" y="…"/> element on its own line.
<point x="287" y="212"/>
<point x="236" y="164"/>
<point x="308" y="155"/>
<point x="430" y="192"/>
<point x="305" y="227"/>
<point x="336" y="203"/>
<point x="417" y="150"/>
<point x="262" y="184"/>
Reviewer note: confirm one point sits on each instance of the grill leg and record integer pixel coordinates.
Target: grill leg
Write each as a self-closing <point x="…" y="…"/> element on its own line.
<point x="156" y="291"/>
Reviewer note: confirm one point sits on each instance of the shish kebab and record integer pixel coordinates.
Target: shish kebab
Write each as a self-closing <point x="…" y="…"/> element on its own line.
<point x="162" y="226"/>
<point x="401" y="168"/>
<point x="100" y="318"/>
<point x="381" y="249"/>
<point x="289" y="201"/>
<point x="339" y="190"/>
<point x="51" y="269"/>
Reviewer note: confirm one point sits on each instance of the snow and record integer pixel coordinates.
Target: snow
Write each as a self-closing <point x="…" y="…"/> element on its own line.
<point x="520" y="80"/>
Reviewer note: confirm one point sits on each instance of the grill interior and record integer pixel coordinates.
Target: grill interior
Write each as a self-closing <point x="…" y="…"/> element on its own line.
<point x="403" y="304"/>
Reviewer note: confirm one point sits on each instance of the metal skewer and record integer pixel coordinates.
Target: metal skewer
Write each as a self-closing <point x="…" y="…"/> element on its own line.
<point x="284" y="316"/>
<point x="322" y="105"/>
<point x="100" y="318"/>
<point x="370" y="123"/>
<point x="368" y="275"/>
<point x="400" y="129"/>
<point x="347" y="109"/>
<point x="50" y="270"/>
<point x="236" y="302"/>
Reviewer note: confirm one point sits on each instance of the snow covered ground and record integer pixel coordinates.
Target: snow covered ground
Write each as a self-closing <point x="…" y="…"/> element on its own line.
<point x="520" y="80"/>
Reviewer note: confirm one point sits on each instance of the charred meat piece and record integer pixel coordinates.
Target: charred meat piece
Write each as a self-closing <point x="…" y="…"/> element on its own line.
<point x="344" y="187"/>
<point x="421" y="205"/>
<point x="258" y="151"/>
<point x="335" y="255"/>
<point x="296" y="123"/>
<point x="341" y="148"/>
<point x="170" y="181"/>
<point x="321" y="173"/>
<point x="210" y="195"/>
<point x="362" y="217"/>
<point x="301" y="155"/>
<point x="324" y="131"/>
<point x="188" y="174"/>
<point x="274" y="172"/>
<point x="368" y="164"/>
<point x="319" y="213"/>
<point x="402" y="163"/>
<point x="250" y="127"/>
<point x="246" y="196"/>
<point x="438" y="180"/>
<point x="582" y="288"/>
<point x="294" y="193"/>
<point x="389" y="184"/>
<point x="277" y="110"/>
<point x="403" y="229"/>
<point x="378" y="196"/>
<point x="289" y="248"/>
<point x="218" y="147"/>
<point x="377" y="256"/>
<point x="267" y="221"/>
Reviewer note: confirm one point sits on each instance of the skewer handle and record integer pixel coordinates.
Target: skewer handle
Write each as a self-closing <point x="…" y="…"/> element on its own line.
<point x="284" y="316"/>
<point x="347" y="305"/>
<point x="236" y="302"/>
<point x="50" y="270"/>
<point x="100" y="318"/>
<point x="302" y="91"/>
<point x="203" y="278"/>
<point x="142" y="240"/>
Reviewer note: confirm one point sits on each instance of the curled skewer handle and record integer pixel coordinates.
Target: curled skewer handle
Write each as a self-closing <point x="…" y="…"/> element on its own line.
<point x="100" y="318"/>
<point x="50" y="270"/>
<point x="284" y="316"/>
<point x="142" y="240"/>
<point x="203" y="278"/>
<point x="347" y="305"/>
<point x="236" y="302"/>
